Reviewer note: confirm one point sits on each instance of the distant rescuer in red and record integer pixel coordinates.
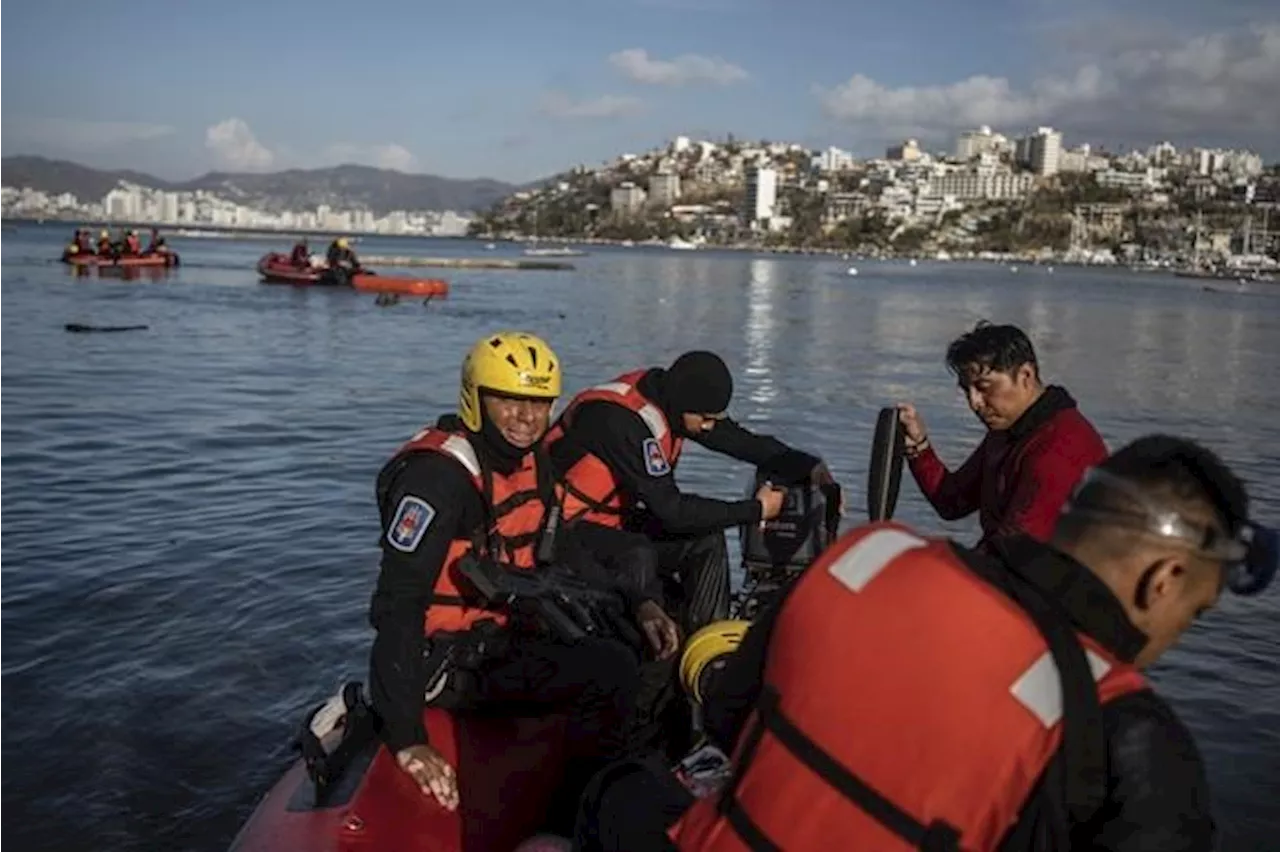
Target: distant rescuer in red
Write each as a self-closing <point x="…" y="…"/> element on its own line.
<point x="1037" y="446"/>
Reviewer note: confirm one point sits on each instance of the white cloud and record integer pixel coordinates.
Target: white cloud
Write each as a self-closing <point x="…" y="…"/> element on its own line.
<point x="78" y="134"/>
<point x="560" y="105"/>
<point x="388" y="156"/>
<point x="1222" y="84"/>
<point x="393" y="156"/>
<point x="235" y="147"/>
<point x="637" y="65"/>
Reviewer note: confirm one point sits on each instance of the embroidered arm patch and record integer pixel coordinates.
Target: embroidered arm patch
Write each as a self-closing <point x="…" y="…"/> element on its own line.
<point x="655" y="461"/>
<point x="410" y="523"/>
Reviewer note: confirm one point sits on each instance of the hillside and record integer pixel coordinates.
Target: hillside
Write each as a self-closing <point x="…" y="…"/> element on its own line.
<point x="341" y="187"/>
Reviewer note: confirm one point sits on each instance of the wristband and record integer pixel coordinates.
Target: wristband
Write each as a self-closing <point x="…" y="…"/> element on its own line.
<point x="914" y="450"/>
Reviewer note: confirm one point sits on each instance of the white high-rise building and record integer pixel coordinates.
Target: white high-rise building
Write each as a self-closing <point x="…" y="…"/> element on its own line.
<point x="762" y="193"/>
<point x="626" y="198"/>
<point x="833" y="160"/>
<point x="169" y="207"/>
<point x="973" y="143"/>
<point x="664" y="188"/>
<point x="1044" y="151"/>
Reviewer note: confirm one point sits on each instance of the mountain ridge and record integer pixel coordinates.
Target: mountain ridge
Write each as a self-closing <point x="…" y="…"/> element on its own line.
<point x="346" y="186"/>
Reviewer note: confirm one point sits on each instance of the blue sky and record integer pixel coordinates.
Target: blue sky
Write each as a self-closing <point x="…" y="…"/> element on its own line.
<point x="518" y="90"/>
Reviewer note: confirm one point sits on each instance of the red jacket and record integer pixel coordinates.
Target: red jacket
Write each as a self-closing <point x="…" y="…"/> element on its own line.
<point x="1017" y="479"/>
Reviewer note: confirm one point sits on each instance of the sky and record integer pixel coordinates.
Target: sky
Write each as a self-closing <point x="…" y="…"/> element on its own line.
<point x="518" y="90"/>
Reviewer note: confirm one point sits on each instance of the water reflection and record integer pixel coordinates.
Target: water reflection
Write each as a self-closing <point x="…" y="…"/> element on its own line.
<point x="760" y="332"/>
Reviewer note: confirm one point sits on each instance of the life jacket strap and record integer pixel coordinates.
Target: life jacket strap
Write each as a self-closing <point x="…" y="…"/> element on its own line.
<point x="938" y="836"/>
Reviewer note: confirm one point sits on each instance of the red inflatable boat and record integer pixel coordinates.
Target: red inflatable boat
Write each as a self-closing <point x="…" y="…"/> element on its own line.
<point x="507" y="769"/>
<point x="275" y="268"/>
<point x="140" y="261"/>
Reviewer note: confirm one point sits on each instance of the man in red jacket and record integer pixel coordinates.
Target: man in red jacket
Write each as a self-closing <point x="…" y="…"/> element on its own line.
<point x="1037" y="447"/>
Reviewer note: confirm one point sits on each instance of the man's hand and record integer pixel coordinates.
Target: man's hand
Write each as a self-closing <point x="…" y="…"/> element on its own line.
<point x="821" y="475"/>
<point x="771" y="499"/>
<point x="432" y="772"/>
<point x="659" y="629"/>
<point x="913" y="427"/>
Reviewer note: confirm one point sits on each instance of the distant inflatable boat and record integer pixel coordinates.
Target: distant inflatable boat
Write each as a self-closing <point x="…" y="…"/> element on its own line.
<point x="159" y="260"/>
<point x="275" y="268"/>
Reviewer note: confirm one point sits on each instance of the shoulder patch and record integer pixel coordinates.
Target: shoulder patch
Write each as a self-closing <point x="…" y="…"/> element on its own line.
<point x="410" y="523"/>
<point x="655" y="461"/>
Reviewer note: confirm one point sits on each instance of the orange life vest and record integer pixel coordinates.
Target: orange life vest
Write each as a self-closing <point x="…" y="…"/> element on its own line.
<point x="590" y="491"/>
<point x="905" y="700"/>
<point x="516" y="516"/>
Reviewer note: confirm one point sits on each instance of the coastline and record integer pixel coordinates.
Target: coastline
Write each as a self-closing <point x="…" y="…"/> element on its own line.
<point x="1042" y="258"/>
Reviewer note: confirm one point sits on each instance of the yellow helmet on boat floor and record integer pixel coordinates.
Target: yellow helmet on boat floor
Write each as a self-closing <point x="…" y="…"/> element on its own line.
<point x="513" y="363"/>
<point x="706" y="653"/>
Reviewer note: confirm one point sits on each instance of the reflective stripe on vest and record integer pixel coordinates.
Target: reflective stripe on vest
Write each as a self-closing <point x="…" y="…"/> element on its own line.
<point x="516" y="513"/>
<point x="591" y="491"/>
<point x="908" y="704"/>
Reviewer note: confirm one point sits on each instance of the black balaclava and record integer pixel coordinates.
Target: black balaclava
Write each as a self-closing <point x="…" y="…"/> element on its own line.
<point x="504" y="456"/>
<point x="500" y="447"/>
<point x="699" y="383"/>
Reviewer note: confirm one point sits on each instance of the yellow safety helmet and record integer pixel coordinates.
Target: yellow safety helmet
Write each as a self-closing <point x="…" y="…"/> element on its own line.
<point x="510" y="362"/>
<point x="341" y="242"/>
<point x="104" y="236"/>
<point x="707" y="652"/>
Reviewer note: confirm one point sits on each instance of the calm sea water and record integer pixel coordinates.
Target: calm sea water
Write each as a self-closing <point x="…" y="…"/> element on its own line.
<point x="190" y="539"/>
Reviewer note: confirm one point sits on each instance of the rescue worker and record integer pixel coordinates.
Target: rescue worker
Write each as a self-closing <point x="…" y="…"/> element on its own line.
<point x="474" y="481"/>
<point x="73" y="247"/>
<point x="615" y="449"/>
<point x="132" y="245"/>
<point x="340" y="256"/>
<point x="1043" y="734"/>
<point x="1037" y="445"/>
<point x="105" y="246"/>
<point x="157" y="244"/>
<point x="300" y="256"/>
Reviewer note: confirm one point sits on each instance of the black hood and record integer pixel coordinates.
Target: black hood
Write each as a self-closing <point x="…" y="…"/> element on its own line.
<point x="698" y="382"/>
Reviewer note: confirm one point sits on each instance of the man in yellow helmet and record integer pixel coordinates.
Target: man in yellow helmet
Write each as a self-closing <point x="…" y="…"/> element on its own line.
<point x="340" y="256"/>
<point x="473" y="482"/>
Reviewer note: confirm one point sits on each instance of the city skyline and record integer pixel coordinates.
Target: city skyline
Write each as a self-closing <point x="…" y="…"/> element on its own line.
<point x="537" y="90"/>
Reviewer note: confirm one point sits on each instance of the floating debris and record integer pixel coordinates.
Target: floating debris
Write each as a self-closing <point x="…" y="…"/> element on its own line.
<point x="81" y="327"/>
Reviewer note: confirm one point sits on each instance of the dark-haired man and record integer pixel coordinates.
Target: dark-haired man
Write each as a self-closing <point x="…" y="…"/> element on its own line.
<point x="1043" y="736"/>
<point x="1037" y="446"/>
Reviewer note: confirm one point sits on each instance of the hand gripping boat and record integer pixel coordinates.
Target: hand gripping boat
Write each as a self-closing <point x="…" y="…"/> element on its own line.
<point x="347" y="793"/>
